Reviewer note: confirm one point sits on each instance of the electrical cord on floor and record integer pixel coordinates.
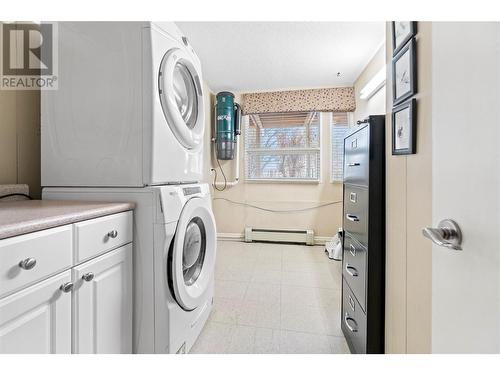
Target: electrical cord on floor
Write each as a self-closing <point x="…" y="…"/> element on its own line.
<point x="278" y="211"/>
<point x="16" y="195"/>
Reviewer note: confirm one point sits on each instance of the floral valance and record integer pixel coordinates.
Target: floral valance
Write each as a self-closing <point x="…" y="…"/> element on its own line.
<point x="337" y="99"/>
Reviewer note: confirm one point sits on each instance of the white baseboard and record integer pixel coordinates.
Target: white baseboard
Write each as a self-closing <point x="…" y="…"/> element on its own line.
<point x="318" y="240"/>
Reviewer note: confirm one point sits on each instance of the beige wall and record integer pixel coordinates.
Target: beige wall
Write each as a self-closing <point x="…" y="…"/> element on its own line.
<point x="409" y="209"/>
<point x="20" y="138"/>
<point x="233" y="218"/>
<point x="376" y="104"/>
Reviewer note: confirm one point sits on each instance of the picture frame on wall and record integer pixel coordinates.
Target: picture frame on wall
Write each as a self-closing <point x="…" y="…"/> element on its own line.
<point x="404" y="73"/>
<point x="404" y="128"/>
<point x="402" y="32"/>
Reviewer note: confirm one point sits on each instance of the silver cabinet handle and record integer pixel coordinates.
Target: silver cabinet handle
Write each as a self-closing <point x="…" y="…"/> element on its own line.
<point x="28" y="263"/>
<point x="66" y="287"/>
<point x="348" y="319"/>
<point x="89" y="276"/>
<point x="351" y="270"/>
<point x="351" y="217"/>
<point x="353" y="164"/>
<point x="113" y="234"/>
<point x="447" y="234"/>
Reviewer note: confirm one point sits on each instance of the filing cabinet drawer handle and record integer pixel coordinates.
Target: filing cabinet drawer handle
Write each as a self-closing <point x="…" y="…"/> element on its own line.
<point x="113" y="234"/>
<point x="352" y="250"/>
<point x="351" y="270"/>
<point x="351" y="217"/>
<point x="348" y="319"/>
<point x="28" y="263"/>
<point x="353" y="164"/>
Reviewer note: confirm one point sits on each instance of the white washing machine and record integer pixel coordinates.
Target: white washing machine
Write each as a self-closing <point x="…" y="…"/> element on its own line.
<point x="129" y="109"/>
<point x="174" y="259"/>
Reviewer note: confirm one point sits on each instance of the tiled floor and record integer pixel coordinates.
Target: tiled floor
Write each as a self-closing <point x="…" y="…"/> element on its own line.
<point x="272" y="298"/>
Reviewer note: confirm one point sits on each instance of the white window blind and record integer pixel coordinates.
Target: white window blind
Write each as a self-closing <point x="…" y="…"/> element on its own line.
<point x="283" y="146"/>
<point x="338" y="130"/>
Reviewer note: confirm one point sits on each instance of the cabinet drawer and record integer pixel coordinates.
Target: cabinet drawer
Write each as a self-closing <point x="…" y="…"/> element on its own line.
<point x="93" y="237"/>
<point x="44" y="253"/>
<point x="354" y="268"/>
<point x="356" y="212"/>
<point x="353" y="321"/>
<point x="356" y="159"/>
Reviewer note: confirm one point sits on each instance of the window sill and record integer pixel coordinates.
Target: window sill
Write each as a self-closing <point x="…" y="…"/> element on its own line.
<point x="282" y="181"/>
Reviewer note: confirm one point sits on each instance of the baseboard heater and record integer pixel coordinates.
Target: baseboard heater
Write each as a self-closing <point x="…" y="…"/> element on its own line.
<point x="279" y="235"/>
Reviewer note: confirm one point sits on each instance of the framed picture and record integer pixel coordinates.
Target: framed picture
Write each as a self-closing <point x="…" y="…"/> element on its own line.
<point x="404" y="73"/>
<point x="404" y="128"/>
<point x="402" y="31"/>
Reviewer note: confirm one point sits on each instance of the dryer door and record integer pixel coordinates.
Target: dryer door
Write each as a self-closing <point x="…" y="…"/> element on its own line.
<point x="193" y="257"/>
<point x="181" y="97"/>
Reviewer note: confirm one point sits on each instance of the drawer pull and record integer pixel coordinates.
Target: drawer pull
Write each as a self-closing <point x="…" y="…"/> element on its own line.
<point x="351" y="270"/>
<point x="353" y="164"/>
<point x="66" y="287"/>
<point x="352" y="250"/>
<point x="28" y="263"/>
<point x="352" y="217"/>
<point x="89" y="276"/>
<point x="348" y="319"/>
<point x="113" y="234"/>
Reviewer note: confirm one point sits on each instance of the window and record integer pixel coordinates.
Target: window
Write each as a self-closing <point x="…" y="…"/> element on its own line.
<point x="338" y="130"/>
<point x="283" y="146"/>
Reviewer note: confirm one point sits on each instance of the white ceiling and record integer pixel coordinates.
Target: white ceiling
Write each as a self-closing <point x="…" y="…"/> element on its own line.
<point x="262" y="56"/>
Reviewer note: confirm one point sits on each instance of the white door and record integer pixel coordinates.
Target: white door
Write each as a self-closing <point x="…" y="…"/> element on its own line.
<point x="193" y="253"/>
<point x="37" y="320"/>
<point x="102" y="310"/>
<point x="181" y="97"/>
<point x="466" y="178"/>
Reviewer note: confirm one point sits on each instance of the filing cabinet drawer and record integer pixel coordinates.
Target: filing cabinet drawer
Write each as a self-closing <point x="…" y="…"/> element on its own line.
<point x="356" y="159"/>
<point x="34" y="256"/>
<point x="353" y="321"/>
<point x="354" y="268"/>
<point x="356" y="212"/>
<point x="96" y="236"/>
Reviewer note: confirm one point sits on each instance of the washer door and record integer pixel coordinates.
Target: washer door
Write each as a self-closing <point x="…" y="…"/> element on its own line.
<point x="181" y="97"/>
<point x="193" y="256"/>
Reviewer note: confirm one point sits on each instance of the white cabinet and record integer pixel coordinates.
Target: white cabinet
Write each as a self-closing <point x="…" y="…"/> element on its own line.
<point x="102" y="303"/>
<point x="37" y="319"/>
<point x="52" y="302"/>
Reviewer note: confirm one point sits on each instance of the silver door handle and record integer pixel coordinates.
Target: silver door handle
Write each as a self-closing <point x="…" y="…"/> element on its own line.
<point x="447" y="234"/>
<point x="27" y="263"/>
<point x="89" y="276"/>
<point x="353" y="273"/>
<point x="347" y="318"/>
<point x="352" y="217"/>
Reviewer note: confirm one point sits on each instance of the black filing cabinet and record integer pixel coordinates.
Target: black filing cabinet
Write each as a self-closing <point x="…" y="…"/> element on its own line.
<point x="363" y="264"/>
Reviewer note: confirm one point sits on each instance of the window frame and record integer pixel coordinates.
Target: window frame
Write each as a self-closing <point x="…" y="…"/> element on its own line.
<point x="319" y="149"/>
<point x="349" y="126"/>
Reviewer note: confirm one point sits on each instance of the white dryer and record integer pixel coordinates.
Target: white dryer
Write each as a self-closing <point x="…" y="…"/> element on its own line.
<point x="174" y="260"/>
<point x="129" y="108"/>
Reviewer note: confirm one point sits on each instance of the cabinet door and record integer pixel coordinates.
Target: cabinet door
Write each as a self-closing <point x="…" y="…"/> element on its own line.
<point x="37" y="319"/>
<point x="102" y="309"/>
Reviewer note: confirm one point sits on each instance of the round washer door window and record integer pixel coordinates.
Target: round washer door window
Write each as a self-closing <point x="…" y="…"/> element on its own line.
<point x="195" y="246"/>
<point x="193" y="253"/>
<point x="181" y="98"/>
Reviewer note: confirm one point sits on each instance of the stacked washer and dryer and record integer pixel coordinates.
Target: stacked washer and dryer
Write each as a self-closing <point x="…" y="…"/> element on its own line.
<point x="127" y="124"/>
